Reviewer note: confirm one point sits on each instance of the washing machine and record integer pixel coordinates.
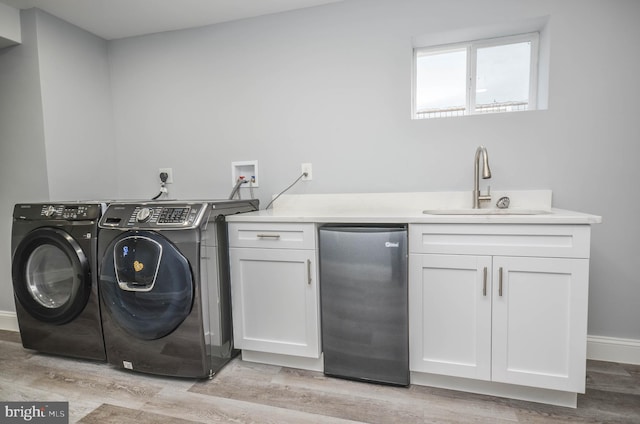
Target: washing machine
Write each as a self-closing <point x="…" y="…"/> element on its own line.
<point x="164" y="285"/>
<point x="54" y="272"/>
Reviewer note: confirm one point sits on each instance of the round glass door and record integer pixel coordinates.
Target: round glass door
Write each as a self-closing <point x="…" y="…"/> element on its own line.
<point x="146" y="284"/>
<point x="51" y="275"/>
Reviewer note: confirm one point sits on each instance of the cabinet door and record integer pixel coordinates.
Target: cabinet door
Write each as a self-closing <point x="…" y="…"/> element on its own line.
<point x="450" y="315"/>
<point x="275" y="301"/>
<point x="540" y="322"/>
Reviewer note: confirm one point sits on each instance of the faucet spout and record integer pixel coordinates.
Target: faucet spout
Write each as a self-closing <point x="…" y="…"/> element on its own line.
<point x="481" y="151"/>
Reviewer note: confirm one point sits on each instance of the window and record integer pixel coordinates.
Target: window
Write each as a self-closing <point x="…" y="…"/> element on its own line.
<point x="486" y="76"/>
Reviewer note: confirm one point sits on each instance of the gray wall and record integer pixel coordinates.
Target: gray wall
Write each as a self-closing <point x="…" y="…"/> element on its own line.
<point x="56" y="128"/>
<point x="331" y="86"/>
<point x="77" y="111"/>
<point x="23" y="165"/>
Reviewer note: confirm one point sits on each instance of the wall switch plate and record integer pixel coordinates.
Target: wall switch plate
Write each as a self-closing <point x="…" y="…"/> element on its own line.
<point x="306" y="167"/>
<point x="169" y="172"/>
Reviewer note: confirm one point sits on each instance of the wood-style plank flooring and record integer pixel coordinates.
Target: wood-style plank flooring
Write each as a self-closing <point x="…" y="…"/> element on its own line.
<point x="253" y="393"/>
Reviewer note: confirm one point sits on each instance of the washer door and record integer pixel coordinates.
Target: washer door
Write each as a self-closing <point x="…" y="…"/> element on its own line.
<point x="146" y="284"/>
<point x="51" y="275"/>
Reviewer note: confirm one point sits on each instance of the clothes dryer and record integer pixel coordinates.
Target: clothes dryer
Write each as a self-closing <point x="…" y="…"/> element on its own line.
<point x="164" y="284"/>
<point x="54" y="272"/>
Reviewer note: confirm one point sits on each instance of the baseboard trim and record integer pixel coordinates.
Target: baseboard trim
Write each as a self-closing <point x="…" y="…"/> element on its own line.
<point x="491" y="388"/>
<point x="612" y="349"/>
<point x="609" y="349"/>
<point x="8" y="321"/>
<point x="311" y="364"/>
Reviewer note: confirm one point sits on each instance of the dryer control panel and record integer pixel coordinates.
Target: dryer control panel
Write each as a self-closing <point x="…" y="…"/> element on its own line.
<point x="153" y="215"/>
<point x="57" y="211"/>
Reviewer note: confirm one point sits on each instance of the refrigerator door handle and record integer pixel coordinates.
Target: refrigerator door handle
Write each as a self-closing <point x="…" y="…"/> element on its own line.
<point x="309" y="271"/>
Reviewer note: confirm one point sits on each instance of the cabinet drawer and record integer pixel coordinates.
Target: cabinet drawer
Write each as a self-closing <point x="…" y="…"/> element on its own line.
<point x="272" y="235"/>
<point x="563" y="241"/>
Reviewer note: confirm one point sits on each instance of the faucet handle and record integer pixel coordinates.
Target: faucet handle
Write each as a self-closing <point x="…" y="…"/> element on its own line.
<point x="485" y="197"/>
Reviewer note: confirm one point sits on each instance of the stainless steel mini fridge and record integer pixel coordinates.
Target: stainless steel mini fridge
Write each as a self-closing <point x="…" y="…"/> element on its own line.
<point x="363" y="292"/>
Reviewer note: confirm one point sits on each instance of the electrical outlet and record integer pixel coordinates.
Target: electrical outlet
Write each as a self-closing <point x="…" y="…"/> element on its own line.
<point x="306" y="167"/>
<point x="169" y="172"/>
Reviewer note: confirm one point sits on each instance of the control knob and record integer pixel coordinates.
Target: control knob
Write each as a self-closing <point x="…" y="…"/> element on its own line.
<point x="143" y="215"/>
<point x="49" y="211"/>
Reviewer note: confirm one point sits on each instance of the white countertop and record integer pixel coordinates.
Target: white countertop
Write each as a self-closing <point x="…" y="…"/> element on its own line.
<point x="408" y="208"/>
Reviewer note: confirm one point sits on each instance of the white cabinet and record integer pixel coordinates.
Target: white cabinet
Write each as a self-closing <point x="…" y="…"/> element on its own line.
<point x="494" y="308"/>
<point x="450" y="315"/>
<point x="511" y="309"/>
<point x="540" y="322"/>
<point x="274" y="288"/>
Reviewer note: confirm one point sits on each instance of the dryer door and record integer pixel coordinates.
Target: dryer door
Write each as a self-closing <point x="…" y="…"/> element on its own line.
<point x="146" y="284"/>
<point x="51" y="275"/>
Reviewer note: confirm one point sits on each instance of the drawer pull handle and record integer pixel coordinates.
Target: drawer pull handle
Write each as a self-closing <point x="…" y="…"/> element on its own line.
<point x="500" y="282"/>
<point x="309" y="271"/>
<point x="484" y="282"/>
<point x="272" y="236"/>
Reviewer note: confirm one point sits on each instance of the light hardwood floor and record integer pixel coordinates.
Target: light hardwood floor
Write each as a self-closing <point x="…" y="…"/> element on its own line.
<point x="252" y="393"/>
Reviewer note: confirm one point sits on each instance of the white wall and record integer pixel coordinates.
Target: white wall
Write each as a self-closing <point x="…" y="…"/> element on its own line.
<point x="331" y="86"/>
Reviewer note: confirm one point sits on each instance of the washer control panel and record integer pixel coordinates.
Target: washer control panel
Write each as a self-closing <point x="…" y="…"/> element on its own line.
<point x="165" y="215"/>
<point x="153" y="215"/>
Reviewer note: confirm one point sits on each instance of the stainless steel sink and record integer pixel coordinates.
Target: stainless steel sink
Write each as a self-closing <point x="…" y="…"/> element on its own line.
<point x="470" y="211"/>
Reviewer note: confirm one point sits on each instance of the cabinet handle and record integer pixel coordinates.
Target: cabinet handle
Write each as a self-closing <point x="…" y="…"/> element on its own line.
<point x="275" y="236"/>
<point x="484" y="282"/>
<point x="309" y="271"/>
<point x="500" y="282"/>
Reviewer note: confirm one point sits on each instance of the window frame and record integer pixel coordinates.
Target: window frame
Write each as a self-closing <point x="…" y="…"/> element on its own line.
<point x="471" y="48"/>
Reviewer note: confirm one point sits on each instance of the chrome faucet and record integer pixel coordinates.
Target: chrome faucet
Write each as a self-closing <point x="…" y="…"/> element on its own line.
<point x="486" y="173"/>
